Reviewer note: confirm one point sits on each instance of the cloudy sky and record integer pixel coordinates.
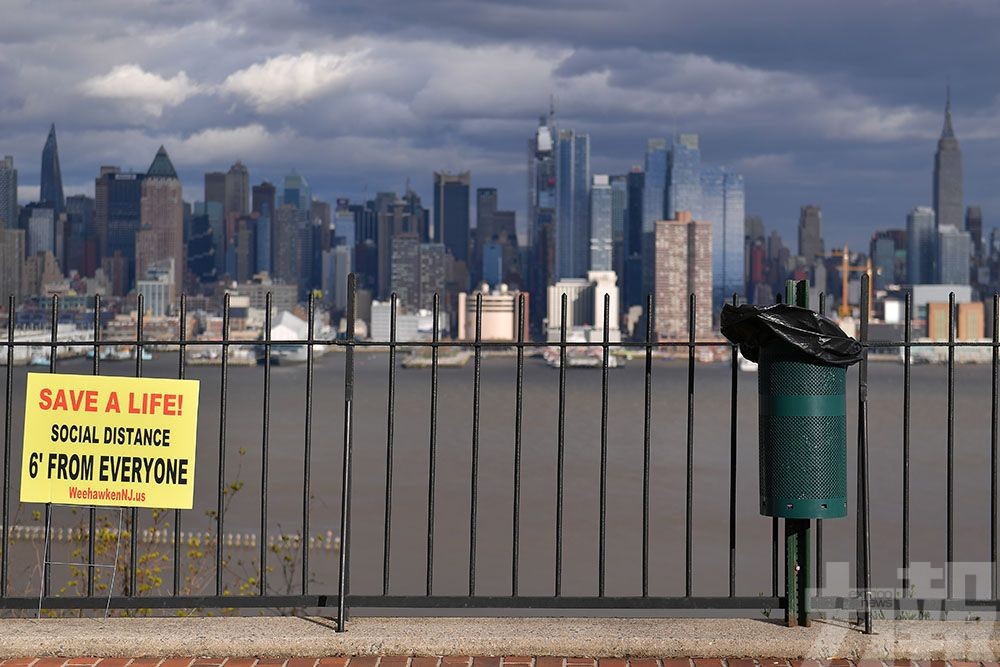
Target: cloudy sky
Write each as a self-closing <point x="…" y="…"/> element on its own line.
<point x="835" y="103"/>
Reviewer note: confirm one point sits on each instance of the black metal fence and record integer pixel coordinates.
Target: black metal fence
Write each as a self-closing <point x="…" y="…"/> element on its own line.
<point x="339" y="595"/>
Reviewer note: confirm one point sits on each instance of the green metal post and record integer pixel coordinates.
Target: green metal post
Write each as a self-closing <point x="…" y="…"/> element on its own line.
<point x="797" y="531"/>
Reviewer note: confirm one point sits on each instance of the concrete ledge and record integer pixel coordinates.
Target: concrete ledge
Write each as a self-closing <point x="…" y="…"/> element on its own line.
<point x="598" y="637"/>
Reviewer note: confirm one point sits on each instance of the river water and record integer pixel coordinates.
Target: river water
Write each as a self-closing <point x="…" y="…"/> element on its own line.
<point x="582" y="467"/>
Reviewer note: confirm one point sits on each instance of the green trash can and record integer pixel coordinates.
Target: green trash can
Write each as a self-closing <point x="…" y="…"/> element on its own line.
<point x="803" y="435"/>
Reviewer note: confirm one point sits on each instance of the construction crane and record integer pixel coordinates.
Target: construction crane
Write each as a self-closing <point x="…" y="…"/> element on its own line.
<point x="846" y="269"/>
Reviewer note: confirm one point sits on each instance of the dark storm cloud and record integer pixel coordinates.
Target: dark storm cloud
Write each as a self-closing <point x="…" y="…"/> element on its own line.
<point x="835" y="103"/>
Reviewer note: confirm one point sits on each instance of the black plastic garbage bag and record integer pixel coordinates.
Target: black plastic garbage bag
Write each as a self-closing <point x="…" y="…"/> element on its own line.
<point x="815" y="336"/>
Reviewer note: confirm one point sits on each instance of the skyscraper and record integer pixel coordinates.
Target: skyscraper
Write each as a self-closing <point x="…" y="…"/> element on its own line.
<point x="683" y="267"/>
<point x="8" y="193"/>
<point x="810" y="233"/>
<point x="954" y="247"/>
<point x="636" y="245"/>
<point x="236" y="190"/>
<point x="601" y="244"/>
<point x="433" y="273"/>
<point x="215" y="209"/>
<point x="286" y="243"/>
<point x="338" y="264"/>
<point x="52" y="186"/>
<point x="492" y="273"/>
<point x="619" y="215"/>
<point x="344" y="228"/>
<point x="201" y="247"/>
<point x="215" y="187"/>
<point x="395" y="215"/>
<point x="572" y="204"/>
<point x="263" y="198"/>
<point x="405" y="278"/>
<point x="921" y="248"/>
<point x="654" y="193"/>
<point x="887" y="249"/>
<point x="161" y="219"/>
<point x="948" y="208"/>
<point x="541" y="177"/>
<point x="486" y="206"/>
<point x="450" y="225"/>
<point x="496" y="243"/>
<point x="723" y="205"/>
<point x="12" y="259"/>
<point x="117" y="204"/>
<point x="41" y="230"/>
<point x="683" y="177"/>
<point x="296" y="192"/>
<point x="541" y="214"/>
<point x="81" y="241"/>
<point x="263" y="206"/>
<point x="974" y="225"/>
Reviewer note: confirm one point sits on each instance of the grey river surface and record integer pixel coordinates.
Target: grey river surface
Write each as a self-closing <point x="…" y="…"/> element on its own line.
<point x="582" y="468"/>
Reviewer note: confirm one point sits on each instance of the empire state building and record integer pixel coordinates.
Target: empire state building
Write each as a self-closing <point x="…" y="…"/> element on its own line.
<point x="948" y="207"/>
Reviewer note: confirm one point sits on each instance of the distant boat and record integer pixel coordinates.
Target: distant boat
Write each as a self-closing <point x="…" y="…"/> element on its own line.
<point x="289" y="354"/>
<point x="580" y="357"/>
<point x="113" y="354"/>
<point x="39" y="360"/>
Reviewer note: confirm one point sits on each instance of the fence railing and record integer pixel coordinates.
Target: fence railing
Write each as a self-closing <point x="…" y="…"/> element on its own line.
<point x="261" y="594"/>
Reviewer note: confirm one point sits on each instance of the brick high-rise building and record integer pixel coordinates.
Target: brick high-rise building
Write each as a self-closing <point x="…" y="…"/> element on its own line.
<point x="683" y="266"/>
<point x="161" y="234"/>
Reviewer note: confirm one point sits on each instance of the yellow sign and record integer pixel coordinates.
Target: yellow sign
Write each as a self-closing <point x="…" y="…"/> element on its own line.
<point x="91" y="440"/>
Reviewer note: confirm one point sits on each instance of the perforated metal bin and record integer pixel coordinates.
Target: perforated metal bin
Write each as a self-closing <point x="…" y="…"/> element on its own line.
<point x="803" y="436"/>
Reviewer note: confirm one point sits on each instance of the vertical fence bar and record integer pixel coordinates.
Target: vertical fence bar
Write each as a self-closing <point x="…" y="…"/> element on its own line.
<point x="602" y="548"/>
<point x="9" y="405"/>
<point x="474" y="491"/>
<point x="907" y="331"/>
<point x="950" y="541"/>
<point x="561" y="445"/>
<point x="133" y="538"/>
<point x="994" y="392"/>
<point x="518" y="415"/>
<point x="53" y="356"/>
<point x="735" y="378"/>
<point x="264" y="446"/>
<point x="646" y="422"/>
<point x="344" y="578"/>
<point x="774" y="523"/>
<point x="433" y="448"/>
<point x="819" y="522"/>
<point x="689" y="499"/>
<point x="864" y="509"/>
<point x="181" y="359"/>
<point x="307" y="445"/>
<point x="92" y="512"/>
<point x="390" y="427"/>
<point x="221" y="499"/>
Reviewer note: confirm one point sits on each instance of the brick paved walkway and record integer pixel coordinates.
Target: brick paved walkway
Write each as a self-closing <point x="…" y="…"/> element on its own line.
<point x="466" y="661"/>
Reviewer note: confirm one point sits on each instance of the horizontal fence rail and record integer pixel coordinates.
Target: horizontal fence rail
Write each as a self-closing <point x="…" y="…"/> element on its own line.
<point x="261" y="590"/>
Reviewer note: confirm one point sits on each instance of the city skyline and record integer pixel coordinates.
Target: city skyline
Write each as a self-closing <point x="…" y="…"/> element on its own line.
<point x="377" y="105"/>
<point x="298" y="239"/>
